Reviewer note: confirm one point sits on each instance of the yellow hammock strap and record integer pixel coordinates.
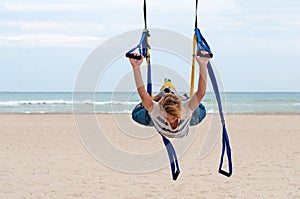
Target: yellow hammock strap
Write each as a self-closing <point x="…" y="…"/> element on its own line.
<point x="192" y="85"/>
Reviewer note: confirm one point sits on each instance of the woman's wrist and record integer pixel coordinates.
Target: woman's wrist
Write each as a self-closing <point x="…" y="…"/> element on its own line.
<point x="136" y="66"/>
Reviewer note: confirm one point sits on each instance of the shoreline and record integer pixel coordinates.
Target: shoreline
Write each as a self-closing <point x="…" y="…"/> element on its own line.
<point x="57" y="113"/>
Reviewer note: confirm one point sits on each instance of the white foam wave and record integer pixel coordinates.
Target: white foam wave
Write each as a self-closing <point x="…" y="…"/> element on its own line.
<point x="63" y="102"/>
<point x="211" y="111"/>
<point x="9" y="103"/>
<point x="115" y="103"/>
<point x="33" y="102"/>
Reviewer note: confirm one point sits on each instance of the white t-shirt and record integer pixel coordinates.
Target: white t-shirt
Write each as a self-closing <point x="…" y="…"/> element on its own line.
<point x="163" y="126"/>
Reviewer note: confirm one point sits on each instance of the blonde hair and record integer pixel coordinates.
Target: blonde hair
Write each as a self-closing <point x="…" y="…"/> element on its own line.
<point x="171" y="104"/>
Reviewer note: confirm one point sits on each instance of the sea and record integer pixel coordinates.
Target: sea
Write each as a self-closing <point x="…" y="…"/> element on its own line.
<point x="124" y="102"/>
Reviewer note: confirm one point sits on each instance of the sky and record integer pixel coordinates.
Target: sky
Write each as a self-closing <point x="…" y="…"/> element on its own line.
<point x="44" y="43"/>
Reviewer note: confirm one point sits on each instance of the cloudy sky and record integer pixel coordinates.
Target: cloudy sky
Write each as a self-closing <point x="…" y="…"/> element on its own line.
<point x="44" y="43"/>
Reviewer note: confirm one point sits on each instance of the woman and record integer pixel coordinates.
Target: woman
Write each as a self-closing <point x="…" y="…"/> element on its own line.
<point x="170" y="115"/>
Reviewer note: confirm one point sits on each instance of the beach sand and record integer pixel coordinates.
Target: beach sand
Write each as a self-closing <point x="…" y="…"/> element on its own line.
<point x="42" y="156"/>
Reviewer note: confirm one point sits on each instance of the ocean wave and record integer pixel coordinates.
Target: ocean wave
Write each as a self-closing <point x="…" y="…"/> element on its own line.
<point x="63" y="102"/>
<point x="9" y="103"/>
<point x="105" y="104"/>
<point x="116" y="103"/>
<point x="33" y="102"/>
<point x="211" y="111"/>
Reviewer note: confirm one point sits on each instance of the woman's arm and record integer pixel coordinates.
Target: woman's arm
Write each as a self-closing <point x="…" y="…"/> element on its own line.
<point x="199" y="94"/>
<point x="146" y="99"/>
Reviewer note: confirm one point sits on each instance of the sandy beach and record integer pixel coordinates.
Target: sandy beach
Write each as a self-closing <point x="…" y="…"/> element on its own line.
<point x="42" y="156"/>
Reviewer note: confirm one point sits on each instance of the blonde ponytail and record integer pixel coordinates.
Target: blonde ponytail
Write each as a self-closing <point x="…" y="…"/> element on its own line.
<point x="171" y="104"/>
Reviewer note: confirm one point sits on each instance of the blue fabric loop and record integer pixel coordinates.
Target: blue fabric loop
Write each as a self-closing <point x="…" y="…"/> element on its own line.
<point x="225" y="138"/>
<point x="172" y="157"/>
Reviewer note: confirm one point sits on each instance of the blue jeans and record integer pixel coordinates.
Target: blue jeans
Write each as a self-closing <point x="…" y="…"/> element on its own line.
<point x="141" y="116"/>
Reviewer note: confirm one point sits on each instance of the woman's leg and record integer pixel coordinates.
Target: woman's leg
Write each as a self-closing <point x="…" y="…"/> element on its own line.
<point x="141" y="116"/>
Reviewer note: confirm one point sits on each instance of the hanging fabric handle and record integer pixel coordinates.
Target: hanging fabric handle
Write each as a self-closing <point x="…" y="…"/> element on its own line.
<point x="172" y="157"/>
<point x="203" y="45"/>
<point x="225" y="143"/>
<point x="142" y="46"/>
<point x="130" y="55"/>
<point x="225" y="139"/>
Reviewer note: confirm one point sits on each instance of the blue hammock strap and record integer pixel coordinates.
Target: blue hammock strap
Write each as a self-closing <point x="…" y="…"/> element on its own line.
<point x="149" y="75"/>
<point x="172" y="157"/>
<point x="225" y="138"/>
<point x="144" y="49"/>
<point x="203" y="45"/>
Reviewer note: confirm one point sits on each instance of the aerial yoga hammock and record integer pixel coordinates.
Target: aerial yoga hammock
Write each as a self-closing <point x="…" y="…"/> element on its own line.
<point x="199" y="44"/>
